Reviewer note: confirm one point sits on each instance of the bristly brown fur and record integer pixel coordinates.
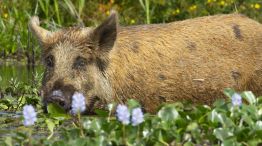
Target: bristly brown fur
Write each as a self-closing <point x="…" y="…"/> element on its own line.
<point x="192" y="60"/>
<point x="196" y="71"/>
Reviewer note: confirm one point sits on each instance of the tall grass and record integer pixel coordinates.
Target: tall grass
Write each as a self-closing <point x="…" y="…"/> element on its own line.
<point x="146" y="7"/>
<point x="14" y="15"/>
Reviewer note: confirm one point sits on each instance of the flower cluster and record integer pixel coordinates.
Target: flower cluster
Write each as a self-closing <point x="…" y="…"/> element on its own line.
<point x="78" y="103"/>
<point x="137" y="116"/>
<point x="29" y="115"/>
<point x="236" y="99"/>
<point x="123" y="115"/>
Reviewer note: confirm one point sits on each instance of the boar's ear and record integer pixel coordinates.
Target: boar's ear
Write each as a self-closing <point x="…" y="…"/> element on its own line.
<point x="38" y="31"/>
<point x="105" y="34"/>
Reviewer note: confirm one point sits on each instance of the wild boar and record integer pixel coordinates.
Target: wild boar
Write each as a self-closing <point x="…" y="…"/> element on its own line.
<point x="192" y="60"/>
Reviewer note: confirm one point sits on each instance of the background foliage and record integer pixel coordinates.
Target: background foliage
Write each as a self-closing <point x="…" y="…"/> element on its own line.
<point x="14" y="15"/>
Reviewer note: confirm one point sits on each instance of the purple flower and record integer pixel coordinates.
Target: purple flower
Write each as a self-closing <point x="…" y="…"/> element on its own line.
<point x="236" y="99"/>
<point x="137" y="116"/>
<point x="29" y="115"/>
<point x="123" y="114"/>
<point x="78" y="103"/>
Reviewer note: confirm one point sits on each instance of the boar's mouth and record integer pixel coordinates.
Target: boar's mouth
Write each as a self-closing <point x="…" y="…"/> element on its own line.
<point x="58" y="100"/>
<point x="94" y="103"/>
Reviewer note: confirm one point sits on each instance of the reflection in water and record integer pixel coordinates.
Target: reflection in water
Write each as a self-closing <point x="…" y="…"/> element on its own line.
<point x="17" y="71"/>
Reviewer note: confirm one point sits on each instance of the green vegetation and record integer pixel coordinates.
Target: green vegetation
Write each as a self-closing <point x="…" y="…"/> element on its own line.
<point x="174" y="124"/>
<point x="227" y="122"/>
<point x="14" y="15"/>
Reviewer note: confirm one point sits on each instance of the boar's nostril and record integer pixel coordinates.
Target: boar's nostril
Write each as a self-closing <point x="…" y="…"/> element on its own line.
<point x="59" y="100"/>
<point x="57" y="93"/>
<point x="62" y="103"/>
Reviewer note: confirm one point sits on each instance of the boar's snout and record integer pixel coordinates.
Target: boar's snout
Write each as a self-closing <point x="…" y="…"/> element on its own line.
<point x="62" y="97"/>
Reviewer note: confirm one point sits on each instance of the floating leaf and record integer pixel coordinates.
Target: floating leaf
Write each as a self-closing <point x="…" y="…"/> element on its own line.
<point x="168" y="113"/>
<point x="57" y="112"/>
<point x="50" y="126"/>
<point x="250" y="97"/>
<point x="132" y="104"/>
<point x="229" y="92"/>
<point x="101" y="113"/>
<point x="8" y="141"/>
<point x="222" y="134"/>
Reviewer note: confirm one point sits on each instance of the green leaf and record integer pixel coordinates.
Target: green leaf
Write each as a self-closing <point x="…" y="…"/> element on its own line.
<point x="168" y="113"/>
<point x="189" y="143"/>
<point x="249" y="96"/>
<point x="50" y="126"/>
<point x="101" y="113"/>
<point x="57" y="112"/>
<point x="259" y="125"/>
<point x="111" y="106"/>
<point x="229" y="92"/>
<point x="192" y="126"/>
<point x="219" y="103"/>
<point x="8" y="141"/>
<point x="222" y="134"/>
<point x="3" y="107"/>
<point x="94" y="124"/>
<point x="55" y="109"/>
<point x="132" y="104"/>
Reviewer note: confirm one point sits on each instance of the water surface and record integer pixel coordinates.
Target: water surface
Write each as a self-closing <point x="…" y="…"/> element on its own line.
<point x="17" y="71"/>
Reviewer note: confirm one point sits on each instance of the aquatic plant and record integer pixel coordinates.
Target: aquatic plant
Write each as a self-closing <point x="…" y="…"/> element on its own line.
<point x="29" y="115"/>
<point x="123" y="114"/>
<point x="78" y="103"/>
<point x="137" y="116"/>
<point x="236" y="99"/>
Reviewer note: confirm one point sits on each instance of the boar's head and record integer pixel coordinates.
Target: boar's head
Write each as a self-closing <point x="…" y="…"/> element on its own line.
<point x="76" y="60"/>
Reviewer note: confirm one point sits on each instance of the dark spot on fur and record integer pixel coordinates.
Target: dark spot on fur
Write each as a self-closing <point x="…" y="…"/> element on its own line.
<point x="88" y="86"/>
<point x="161" y="77"/>
<point x="131" y="77"/>
<point x="68" y="90"/>
<point x="101" y="64"/>
<point x="237" y="32"/>
<point x="236" y="75"/>
<point x="191" y="45"/>
<point x="135" y="47"/>
<point x="160" y="55"/>
<point x="80" y="63"/>
<point x="162" y="99"/>
<point x="58" y="84"/>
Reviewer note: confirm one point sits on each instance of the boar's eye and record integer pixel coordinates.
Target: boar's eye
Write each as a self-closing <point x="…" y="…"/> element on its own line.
<point x="49" y="61"/>
<point x="79" y="63"/>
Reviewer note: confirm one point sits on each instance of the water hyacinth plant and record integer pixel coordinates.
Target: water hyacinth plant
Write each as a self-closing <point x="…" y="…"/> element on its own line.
<point x="123" y="114"/>
<point x="175" y="124"/>
<point x="236" y="99"/>
<point x="29" y="115"/>
<point x="78" y="103"/>
<point x="137" y="116"/>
